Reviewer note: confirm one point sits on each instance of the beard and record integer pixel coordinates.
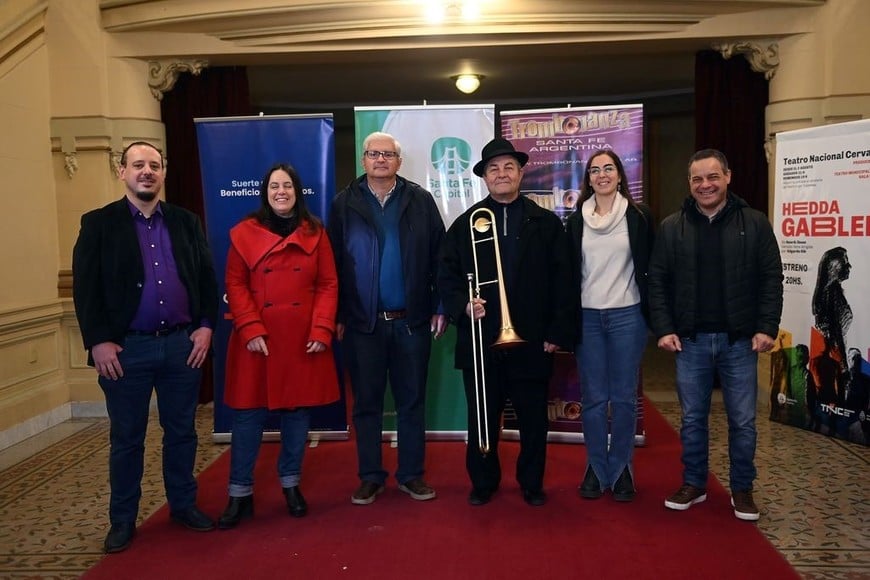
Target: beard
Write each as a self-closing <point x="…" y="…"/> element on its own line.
<point x="146" y="195"/>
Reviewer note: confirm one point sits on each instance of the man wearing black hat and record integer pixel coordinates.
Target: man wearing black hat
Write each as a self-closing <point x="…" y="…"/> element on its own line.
<point x="535" y="267"/>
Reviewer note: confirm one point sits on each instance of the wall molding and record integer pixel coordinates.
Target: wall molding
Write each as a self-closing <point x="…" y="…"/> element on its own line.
<point x="18" y="33"/>
<point x="29" y="317"/>
<point x="762" y="55"/>
<point x="73" y="135"/>
<point x="163" y="74"/>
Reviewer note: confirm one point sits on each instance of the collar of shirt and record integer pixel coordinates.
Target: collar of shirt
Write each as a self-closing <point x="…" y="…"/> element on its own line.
<point x="135" y="211"/>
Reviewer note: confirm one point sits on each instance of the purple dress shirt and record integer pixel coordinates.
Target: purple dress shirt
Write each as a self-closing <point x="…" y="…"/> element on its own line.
<point x="164" y="301"/>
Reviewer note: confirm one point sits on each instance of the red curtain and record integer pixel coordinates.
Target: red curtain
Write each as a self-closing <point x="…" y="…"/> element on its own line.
<point x="216" y="92"/>
<point x="730" y="101"/>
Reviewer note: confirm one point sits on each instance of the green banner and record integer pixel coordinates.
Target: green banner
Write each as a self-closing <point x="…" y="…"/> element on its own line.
<point x="439" y="145"/>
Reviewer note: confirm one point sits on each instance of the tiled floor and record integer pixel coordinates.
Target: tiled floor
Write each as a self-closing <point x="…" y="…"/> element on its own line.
<point x="812" y="490"/>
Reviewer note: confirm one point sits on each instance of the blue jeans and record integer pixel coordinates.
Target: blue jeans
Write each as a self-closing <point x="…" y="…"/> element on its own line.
<point x="736" y="364"/>
<point x="152" y="363"/>
<point x="401" y="354"/>
<point x="248" y="434"/>
<point x="613" y="341"/>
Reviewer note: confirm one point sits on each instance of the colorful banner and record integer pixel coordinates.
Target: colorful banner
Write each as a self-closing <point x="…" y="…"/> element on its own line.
<point x="559" y="142"/>
<point x="440" y="145"/>
<point x="234" y="154"/>
<point x="820" y="377"/>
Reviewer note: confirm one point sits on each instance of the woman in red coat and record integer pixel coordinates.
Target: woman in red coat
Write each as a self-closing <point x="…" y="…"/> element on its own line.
<point x="282" y="292"/>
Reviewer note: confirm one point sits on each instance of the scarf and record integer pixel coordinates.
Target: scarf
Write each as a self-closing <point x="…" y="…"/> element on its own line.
<point x="604" y="224"/>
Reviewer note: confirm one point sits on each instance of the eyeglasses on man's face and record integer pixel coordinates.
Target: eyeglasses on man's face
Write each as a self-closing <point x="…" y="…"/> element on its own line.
<point x="371" y="154"/>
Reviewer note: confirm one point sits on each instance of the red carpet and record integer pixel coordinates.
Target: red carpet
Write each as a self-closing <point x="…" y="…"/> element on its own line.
<point x="397" y="537"/>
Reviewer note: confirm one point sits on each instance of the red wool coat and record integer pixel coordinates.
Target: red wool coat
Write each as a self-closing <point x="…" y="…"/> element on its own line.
<point x="286" y="290"/>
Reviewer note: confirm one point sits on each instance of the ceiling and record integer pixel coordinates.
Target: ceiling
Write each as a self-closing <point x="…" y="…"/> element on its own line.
<point x="566" y="74"/>
<point x="311" y="54"/>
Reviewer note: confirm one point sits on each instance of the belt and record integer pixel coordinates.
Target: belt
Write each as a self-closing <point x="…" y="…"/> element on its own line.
<point x="161" y="332"/>
<point x="392" y="314"/>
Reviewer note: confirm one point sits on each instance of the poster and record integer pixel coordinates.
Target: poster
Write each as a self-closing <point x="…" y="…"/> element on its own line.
<point x="559" y="143"/>
<point x="234" y="154"/>
<point x="820" y="377"/>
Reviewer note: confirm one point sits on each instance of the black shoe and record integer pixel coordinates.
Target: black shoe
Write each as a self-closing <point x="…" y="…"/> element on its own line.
<point x="535" y="497"/>
<point x="591" y="487"/>
<point x="119" y="537"/>
<point x="623" y="489"/>
<point x="237" y="508"/>
<point x="192" y="519"/>
<point x="479" y="496"/>
<point x="295" y="502"/>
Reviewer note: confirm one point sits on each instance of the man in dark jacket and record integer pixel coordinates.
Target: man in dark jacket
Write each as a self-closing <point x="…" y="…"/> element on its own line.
<point x="386" y="233"/>
<point x="146" y="300"/>
<point x="535" y="263"/>
<point x="715" y="292"/>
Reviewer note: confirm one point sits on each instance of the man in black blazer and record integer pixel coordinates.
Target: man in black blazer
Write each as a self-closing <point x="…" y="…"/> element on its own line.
<point x="146" y="300"/>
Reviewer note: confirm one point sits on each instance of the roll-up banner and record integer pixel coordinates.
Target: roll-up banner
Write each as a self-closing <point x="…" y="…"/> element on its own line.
<point x="819" y="374"/>
<point x="559" y="142"/>
<point x="235" y="153"/>
<point x="440" y="145"/>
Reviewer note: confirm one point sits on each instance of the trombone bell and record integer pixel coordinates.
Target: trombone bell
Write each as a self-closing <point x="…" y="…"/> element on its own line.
<point x="507" y="338"/>
<point x="481" y="225"/>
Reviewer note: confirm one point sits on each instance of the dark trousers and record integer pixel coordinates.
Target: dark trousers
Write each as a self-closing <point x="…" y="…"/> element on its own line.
<point x="399" y="354"/>
<point x="152" y="363"/>
<point x="529" y="400"/>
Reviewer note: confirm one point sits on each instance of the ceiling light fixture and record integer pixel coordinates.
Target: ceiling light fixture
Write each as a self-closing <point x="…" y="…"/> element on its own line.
<point x="439" y="11"/>
<point x="467" y="83"/>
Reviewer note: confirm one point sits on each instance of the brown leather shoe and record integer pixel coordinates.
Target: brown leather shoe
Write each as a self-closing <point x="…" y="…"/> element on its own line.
<point x="418" y="489"/>
<point x="744" y="506"/>
<point x="366" y="493"/>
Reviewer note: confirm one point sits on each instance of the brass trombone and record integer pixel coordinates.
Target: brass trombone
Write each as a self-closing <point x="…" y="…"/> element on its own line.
<point x="482" y="229"/>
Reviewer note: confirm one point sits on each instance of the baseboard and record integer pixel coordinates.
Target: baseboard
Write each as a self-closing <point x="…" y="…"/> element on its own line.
<point x="49" y="419"/>
<point x="35" y="425"/>
<point x="88" y="409"/>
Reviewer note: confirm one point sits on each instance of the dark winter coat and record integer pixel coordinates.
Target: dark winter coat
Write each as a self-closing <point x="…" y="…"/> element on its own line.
<point x="541" y="303"/>
<point x="751" y="272"/>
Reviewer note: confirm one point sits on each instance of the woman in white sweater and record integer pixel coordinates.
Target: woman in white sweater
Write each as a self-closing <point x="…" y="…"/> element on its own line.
<point x="611" y="240"/>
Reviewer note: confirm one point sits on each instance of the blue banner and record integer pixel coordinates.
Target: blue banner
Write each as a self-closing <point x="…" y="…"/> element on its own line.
<point x="235" y="153"/>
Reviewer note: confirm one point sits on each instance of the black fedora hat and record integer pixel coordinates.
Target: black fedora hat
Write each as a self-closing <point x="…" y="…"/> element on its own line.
<point x="494" y="148"/>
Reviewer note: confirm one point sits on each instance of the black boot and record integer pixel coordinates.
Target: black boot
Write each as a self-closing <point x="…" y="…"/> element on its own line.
<point x="591" y="487"/>
<point x="623" y="489"/>
<point x="237" y="508"/>
<point x="295" y="502"/>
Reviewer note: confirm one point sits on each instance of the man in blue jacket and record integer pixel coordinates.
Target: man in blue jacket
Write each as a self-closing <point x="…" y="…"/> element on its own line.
<point x="715" y="295"/>
<point x="386" y="233"/>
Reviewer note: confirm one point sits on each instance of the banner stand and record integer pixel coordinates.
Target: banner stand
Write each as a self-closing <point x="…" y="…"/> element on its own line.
<point x="234" y="154"/>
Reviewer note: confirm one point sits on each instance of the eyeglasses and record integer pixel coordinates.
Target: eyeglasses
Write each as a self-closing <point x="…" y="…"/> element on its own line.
<point x="607" y="170"/>
<point x="385" y="154"/>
